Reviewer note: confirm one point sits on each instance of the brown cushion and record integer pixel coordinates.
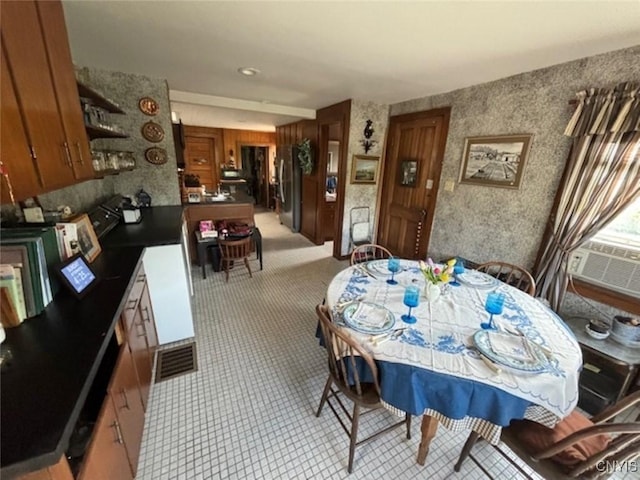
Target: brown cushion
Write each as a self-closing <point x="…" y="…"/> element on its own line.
<point x="536" y="438"/>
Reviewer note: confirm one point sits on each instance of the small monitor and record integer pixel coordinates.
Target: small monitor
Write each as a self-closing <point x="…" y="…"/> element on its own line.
<point x="77" y="275"/>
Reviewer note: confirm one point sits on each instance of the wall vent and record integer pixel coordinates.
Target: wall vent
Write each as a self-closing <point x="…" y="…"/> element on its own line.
<point x="176" y="361"/>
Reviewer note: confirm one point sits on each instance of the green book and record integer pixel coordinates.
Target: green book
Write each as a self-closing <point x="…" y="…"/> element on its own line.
<point x="38" y="269"/>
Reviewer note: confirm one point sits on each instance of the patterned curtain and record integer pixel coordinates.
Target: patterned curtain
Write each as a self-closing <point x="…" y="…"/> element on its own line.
<point x="602" y="178"/>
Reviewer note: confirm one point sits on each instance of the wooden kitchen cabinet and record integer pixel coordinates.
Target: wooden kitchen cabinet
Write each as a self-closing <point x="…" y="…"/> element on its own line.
<point x="149" y="322"/>
<point x="106" y="457"/>
<point x="139" y="346"/>
<point x="37" y="65"/>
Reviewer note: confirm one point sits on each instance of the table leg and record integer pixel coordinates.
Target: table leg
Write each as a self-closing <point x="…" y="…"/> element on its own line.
<point x="202" y="257"/>
<point x="429" y="428"/>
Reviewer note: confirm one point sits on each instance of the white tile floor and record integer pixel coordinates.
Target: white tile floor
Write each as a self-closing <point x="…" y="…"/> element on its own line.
<point x="249" y="410"/>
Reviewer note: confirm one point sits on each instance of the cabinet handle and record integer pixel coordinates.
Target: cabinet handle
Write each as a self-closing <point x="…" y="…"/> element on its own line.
<point x="81" y="161"/>
<point x="67" y="153"/>
<point x="142" y="278"/>
<point x="126" y="400"/>
<point x="131" y="304"/>
<point x="144" y="331"/>
<point x="116" y="425"/>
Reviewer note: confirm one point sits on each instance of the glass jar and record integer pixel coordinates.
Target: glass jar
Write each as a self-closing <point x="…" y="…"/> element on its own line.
<point x="98" y="160"/>
<point x="112" y="161"/>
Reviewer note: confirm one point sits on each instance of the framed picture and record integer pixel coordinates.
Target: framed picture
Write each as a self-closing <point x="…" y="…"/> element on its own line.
<point x="87" y="240"/>
<point x="495" y="161"/>
<point x="364" y="169"/>
<point x="408" y="173"/>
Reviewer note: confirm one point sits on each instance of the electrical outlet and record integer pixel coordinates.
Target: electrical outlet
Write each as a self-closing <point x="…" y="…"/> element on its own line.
<point x="449" y="185"/>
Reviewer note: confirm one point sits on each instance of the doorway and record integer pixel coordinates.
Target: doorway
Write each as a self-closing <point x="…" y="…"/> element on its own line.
<point x="414" y="155"/>
<point x="254" y="166"/>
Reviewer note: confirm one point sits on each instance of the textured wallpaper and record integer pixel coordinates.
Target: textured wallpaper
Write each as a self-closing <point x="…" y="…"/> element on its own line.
<point x="126" y="89"/>
<point x="357" y="194"/>
<point x="483" y="223"/>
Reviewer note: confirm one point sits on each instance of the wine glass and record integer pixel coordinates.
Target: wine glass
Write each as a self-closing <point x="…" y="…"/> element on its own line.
<point x="493" y="305"/>
<point x="411" y="299"/>
<point x="458" y="268"/>
<point x="393" y="266"/>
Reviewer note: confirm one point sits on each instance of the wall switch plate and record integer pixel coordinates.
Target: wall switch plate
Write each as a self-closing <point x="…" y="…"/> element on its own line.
<point x="449" y="185"/>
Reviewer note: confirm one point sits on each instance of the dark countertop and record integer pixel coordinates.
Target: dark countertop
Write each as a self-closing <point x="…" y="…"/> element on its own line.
<point x="208" y="203"/>
<point x="159" y="226"/>
<point x="55" y="357"/>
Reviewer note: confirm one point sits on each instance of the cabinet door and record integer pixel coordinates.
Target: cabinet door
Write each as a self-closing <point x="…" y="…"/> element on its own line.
<point x="64" y="80"/>
<point x="139" y="346"/>
<point x="27" y="58"/>
<point x="149" y="322"/>
<point x="131" y="305"/>
<point x="127" y="401"/>
<point x="19" y="174"/>
<point x="106" y="458"/>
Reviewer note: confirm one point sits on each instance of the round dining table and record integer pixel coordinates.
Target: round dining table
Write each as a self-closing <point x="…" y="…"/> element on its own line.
<point x="444" y="366"/>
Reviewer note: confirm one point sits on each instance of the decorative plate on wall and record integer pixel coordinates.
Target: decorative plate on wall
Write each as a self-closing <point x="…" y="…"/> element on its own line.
<point x="155" y="155"/>
<point x="153" y="132"/>
<point x="148" y="106"/>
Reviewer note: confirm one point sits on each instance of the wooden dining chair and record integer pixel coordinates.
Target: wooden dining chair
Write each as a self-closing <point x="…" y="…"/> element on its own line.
<point x="577" y="447"/>
<point x="367" y="252"/>
<point x="350" y="367"/>
<point x="232" y="251"/>
<point x="511" y="274"/>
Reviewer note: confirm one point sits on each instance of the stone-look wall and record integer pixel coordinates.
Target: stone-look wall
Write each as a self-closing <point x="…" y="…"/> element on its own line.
<point x="362" y="194"/>
<point x="126" y="89"/>
<point x="483" y="223"/>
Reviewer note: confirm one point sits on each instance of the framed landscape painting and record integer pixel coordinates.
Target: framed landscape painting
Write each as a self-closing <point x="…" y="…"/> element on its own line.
<point x="495" y="161"/>
<point x="364" y="169"/>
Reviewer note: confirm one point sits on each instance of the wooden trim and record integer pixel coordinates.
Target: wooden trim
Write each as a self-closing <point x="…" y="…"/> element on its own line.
<point x="608" y="297"/>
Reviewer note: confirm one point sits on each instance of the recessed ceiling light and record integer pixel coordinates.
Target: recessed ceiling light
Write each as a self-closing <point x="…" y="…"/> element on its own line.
<point x="248" y="71"/>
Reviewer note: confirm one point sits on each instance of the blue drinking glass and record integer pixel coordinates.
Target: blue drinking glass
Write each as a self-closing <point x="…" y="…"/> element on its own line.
<point x="411" y="299"/>
<point x="393" y="266"/>
<point x="493" y="305"/>
<point x="458" y="268"/>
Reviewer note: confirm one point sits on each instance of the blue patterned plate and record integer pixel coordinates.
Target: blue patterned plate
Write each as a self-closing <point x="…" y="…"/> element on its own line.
<point x="475" y="279"/>
<point x="363" y="326"/>
<point x="539" y="365"/>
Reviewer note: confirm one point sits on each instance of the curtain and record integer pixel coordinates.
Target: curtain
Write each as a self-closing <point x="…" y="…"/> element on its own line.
<point x="602" y="178"/>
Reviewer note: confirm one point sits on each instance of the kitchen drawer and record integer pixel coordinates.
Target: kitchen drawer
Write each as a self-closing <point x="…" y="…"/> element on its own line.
<point x="133" y="299"/>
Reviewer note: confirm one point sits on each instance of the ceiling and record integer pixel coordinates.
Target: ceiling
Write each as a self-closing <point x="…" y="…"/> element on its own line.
<point x="315" y="54"/>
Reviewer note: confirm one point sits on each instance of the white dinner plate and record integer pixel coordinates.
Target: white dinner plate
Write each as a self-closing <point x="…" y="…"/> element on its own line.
<point x="475" y="279"/>
<point x="538" y="365"/>
<point x="361" y="325"/>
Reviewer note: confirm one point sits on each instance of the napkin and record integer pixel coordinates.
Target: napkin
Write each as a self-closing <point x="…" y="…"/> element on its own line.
<point x="369" y="315"/>
<point x="511" y="346"/>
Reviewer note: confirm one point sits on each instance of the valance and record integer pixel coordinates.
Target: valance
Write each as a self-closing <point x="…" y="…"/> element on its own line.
<point x="602" y="111"/>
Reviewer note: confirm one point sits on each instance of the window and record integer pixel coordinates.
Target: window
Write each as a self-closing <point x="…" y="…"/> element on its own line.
<point x="624" y="230"/>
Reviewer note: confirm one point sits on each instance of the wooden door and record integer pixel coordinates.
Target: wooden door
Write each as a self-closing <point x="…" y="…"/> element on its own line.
<point x="19" y="175"/>
<point x="27" y="58"/>
<point x="106" y="457"/>
<point x="200" y="160"/>
<point x="139" y="346"/>
<point x="414" y="155"/>
<point x="125" y="394"/>
<point x="64" y="80"/>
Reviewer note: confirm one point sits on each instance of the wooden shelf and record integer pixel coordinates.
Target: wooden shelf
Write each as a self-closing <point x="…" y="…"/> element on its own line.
<point x="98" y="99"/>
<point x="98" y="132"/>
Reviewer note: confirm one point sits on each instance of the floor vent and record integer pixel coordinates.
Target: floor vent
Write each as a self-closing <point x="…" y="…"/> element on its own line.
<point x="176" y="361"/>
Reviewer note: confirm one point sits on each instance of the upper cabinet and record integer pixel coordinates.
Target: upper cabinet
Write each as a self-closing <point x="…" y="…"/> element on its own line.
<point x="39" y="87"/>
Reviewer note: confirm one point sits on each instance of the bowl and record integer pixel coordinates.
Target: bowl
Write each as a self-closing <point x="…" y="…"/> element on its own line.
<point x="626" y="330"/>
<point x="596" y="335"/>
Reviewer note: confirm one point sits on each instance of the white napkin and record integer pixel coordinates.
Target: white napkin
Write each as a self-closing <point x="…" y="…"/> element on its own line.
<point x="511" y="346"/>
<point x="369" y="316"/>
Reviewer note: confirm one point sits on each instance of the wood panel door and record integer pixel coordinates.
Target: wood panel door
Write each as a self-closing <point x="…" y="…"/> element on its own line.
<point x="414" y="155"/>
<point x="200" y="160"/>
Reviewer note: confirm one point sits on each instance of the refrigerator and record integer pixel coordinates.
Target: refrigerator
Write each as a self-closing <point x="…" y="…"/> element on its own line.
<point x="290" y="182"/>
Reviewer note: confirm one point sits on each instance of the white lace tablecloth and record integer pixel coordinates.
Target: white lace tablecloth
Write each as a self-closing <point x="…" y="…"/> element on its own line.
<point x="436" y="358"/>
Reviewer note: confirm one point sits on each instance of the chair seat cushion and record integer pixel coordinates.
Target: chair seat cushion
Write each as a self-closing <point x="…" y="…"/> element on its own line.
<point x="537" y="438"/>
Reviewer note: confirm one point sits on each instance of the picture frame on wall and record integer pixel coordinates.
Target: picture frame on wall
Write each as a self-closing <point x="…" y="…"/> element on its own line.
<point x="364" y="169"/>
<point x="496" y="161"/>
<point x="87" y="239"/>
<point x="408" y="173"/>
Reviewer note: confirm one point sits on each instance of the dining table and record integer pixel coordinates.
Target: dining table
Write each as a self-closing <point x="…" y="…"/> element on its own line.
<point x="448" y="369"/>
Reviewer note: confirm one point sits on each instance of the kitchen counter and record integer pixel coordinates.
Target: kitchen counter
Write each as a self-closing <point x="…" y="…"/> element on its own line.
<point x="54" y="360"/>
<point x="158" y="226"/>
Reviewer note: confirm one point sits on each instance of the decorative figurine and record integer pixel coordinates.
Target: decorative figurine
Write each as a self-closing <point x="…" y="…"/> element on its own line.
<point x="367" y="143"/>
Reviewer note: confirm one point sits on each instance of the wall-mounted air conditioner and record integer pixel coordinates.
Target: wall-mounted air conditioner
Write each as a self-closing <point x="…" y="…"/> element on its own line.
<point x="614" y="267"/>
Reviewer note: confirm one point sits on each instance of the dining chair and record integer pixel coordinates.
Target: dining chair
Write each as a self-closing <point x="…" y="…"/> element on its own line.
<point x="232" y="251"/>
<point x="367" y="252"/>
<point x="511" y="274"/>
<point x="355" y="374"/>
<point x="577" y="447"/>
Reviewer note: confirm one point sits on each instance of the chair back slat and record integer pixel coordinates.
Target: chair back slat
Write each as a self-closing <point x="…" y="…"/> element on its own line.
<point x="511" y="274"/>
<point x="235" y="249"/>
<point x="345" y="355"/>
<point x="368" y="252"/>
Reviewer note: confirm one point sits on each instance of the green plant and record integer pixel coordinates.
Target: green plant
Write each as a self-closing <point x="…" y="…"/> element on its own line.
<point x="304" y="156"/>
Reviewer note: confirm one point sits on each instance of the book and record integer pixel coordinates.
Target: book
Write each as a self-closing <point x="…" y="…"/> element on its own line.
<point x="38" y="268"/>
<point x="13" y="283"/>
<point x="17" y="256"/>
<point x="8" y="313"/>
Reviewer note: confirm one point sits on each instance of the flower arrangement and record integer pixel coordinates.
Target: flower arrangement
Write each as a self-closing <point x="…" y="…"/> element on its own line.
<point x="435" y="274"/>
<point x="305" y="157"/>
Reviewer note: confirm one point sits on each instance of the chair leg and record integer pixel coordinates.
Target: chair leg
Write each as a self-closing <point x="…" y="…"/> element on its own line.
<point x="226" y="270"/>
<point x="471" y="441"/>
<point x="354" y="435"/>
<point x="325" y="394"/>
<point x="408" y="423"/>
<point x="246" y="262"/>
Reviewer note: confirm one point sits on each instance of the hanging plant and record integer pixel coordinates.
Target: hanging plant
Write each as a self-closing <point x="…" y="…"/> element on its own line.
<point x="304" y="156"/>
